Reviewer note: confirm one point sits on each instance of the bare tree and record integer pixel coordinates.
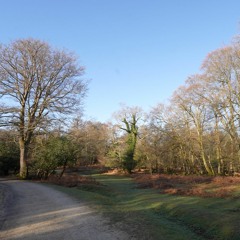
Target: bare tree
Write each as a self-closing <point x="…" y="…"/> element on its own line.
<point x="38" y="84"/>
<point x="91" y="138"/>
<point x="199" y="117"/>
<point x="222" y="70"/>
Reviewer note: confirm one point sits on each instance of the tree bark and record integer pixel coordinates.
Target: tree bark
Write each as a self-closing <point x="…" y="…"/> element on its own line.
<point x="64" y="168"/>
<point x="23" y="159"/>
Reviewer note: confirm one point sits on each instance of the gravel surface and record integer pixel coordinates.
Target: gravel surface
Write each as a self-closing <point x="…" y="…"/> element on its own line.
<point x="33" y="211"/>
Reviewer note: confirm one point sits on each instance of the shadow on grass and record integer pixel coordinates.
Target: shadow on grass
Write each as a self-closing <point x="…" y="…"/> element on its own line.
<point x="151" y="215"/>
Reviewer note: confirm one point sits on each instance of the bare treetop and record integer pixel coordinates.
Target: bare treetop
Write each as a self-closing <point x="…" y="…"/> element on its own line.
<point x="39" y="79"/>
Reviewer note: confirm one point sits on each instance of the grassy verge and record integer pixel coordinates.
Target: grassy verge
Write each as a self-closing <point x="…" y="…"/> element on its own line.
<point x="146" y="214"/>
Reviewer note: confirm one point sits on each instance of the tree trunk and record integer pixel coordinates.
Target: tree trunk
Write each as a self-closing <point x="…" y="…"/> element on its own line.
<point x="207" y="166"/>
<point x="23" y="159"/>
<point x="64" y="168"/>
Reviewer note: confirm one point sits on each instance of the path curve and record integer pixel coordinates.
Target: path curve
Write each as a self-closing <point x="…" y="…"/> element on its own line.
<point x="34" y="211"/>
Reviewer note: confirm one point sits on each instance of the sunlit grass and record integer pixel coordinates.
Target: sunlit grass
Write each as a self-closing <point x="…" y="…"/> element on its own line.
<point x="152" y="215"/>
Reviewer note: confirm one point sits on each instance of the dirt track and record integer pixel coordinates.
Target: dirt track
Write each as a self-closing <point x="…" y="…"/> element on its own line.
<point x="33" y="211"/>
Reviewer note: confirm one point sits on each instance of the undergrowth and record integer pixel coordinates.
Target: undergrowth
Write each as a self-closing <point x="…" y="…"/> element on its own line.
<point x="201" y="186"/>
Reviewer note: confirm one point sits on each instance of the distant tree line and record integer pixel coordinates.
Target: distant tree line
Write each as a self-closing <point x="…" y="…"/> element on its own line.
<point x="197" y="132"/>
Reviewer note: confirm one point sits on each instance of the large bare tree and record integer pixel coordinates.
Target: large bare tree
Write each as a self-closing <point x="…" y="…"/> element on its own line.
<point x="38" y="84"/>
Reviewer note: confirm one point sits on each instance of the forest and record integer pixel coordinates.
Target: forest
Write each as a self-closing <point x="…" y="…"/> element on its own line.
<point x="43" y="131"/>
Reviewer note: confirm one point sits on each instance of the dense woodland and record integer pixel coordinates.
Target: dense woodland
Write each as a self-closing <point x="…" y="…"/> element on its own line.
<point x="197" y="132"/>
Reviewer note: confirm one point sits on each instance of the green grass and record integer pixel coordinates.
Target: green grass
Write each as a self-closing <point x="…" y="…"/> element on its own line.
<point x="149" y="215"/>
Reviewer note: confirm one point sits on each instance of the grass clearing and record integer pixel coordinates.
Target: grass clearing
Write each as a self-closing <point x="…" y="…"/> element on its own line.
<point x="147" y="214"/>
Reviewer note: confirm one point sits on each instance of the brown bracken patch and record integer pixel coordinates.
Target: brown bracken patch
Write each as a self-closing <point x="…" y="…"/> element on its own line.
<point x="72" y="180"/>
<point x="202" y="186"/>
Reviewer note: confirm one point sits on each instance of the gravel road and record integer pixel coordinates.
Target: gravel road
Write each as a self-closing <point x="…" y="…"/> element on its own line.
<point x="33" y="211"/>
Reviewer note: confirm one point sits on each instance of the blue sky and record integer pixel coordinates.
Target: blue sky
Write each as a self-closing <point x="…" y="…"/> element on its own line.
<point x="135" y="52"/>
